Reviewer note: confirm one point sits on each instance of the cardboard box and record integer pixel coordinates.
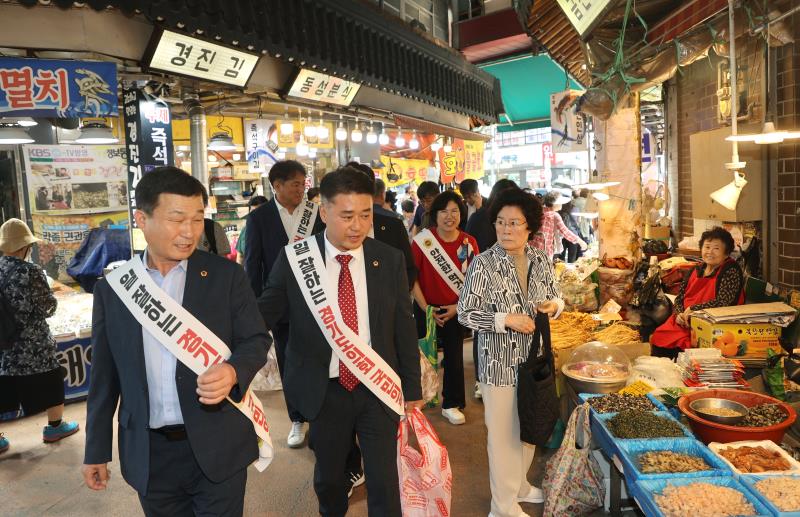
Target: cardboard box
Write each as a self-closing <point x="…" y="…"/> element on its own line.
<point x="736" y="340"/>
<point x="656" y="232"/>
<point x="242" y="172"/>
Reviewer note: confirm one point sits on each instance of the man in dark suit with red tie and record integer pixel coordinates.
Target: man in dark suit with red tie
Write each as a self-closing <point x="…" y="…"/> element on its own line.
<point x="368" y="281"/>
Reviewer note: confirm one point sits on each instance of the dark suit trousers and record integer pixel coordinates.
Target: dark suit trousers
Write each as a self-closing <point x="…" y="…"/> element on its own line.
<point x="178" y="488"/>
<point x="281" y="335"/>
<point x="331" y="438"/>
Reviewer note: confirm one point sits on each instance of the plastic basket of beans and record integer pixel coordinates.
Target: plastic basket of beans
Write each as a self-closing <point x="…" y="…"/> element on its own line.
<point x="781" y="494"/>
<point x="719" y="496"/>
<point x="633" y="424"/>
<point x="663" y="458"/>
<point x="615" y="402"/>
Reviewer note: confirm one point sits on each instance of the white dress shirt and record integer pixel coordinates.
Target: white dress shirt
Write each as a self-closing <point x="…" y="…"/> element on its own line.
<point x="359" y="274"/>
<point x="165" y="408"/>
<point x="289" y="220"/>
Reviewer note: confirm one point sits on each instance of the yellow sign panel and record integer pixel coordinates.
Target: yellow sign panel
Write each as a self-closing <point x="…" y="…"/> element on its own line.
<point x="399" y="171"/>
<point x="292" y="139"/>
<point x="464" y="161"/>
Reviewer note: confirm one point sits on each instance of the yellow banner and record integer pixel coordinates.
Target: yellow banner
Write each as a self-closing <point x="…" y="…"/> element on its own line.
<point x="464" y="161"/>
<point x="399" y="171"/>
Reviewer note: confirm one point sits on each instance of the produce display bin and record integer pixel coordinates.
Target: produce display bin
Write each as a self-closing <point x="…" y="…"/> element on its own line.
<point x="611" y="444"/>
<point x="690" y="446"/>
<point x="749" y="482"/>
<point x="767" y="444"/>
<point x="644" y="489"/>
<point x="657" y="403"/>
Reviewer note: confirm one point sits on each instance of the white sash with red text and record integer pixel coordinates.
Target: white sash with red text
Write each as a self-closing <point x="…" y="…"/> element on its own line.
<point x="191" y="342"/>
<point x="305" y="222"/>
<point x="440" y="260"/>
<point x="365" y="363"/>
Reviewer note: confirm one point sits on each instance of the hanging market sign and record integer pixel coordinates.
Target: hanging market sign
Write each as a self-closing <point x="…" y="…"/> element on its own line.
<point x="180" y="54"/>
<point x="399" y="171"/>
<point x="585" y="14"/>
<point x="464" y="161"/>
<point x="148" y="135"/>
<point x="57" y="88"/>
<point x="567" y="124"/>
<point x="261" y="144"/>
<point x="316" y="86"/>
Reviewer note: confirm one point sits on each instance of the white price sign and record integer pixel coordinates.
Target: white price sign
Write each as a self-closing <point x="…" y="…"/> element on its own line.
<point x="316" y="86"/>
<point x="185" y="55"/>
<point x="584" y="13"/>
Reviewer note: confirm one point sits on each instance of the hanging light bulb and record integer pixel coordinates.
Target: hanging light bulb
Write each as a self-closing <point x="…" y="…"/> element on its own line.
<point x="372" y="136"/>
<point x="448" y="145"/>
<point x="287" y="128"/>
<point x="322" y="130"/>
<point x="383" y="138"/>
<point x="310" y="130"/>
<point x="400" y="141"/>
<point x="414" y="142"/>
<point x="302" y="147"/>
<point x="341" y="132"/>
<point x="356" y="135"/>
<point x="436" y="145"/>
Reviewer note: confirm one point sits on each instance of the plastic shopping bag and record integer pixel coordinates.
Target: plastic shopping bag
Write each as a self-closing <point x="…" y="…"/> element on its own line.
<point x="269" y="378"/>
<point x="425" y="476"/>
<point x="429" y="350"/>
<point x="573" y="482"/>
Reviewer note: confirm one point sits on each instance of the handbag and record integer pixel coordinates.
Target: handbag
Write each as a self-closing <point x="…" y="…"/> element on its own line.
<point x="537" y="402"/>
<point x="573" y="481"/>
<point x="429" y="361"/>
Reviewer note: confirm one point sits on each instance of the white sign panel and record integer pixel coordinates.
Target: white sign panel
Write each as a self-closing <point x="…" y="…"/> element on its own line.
<point x="185" y="55"/>
<point x="567" y="125"/>
<point x="584" y="13"/>
<point x="261" y="143"/>
<point x="316" y="86"/>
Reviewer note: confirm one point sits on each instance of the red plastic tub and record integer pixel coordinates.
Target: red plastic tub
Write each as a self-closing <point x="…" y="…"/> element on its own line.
<point x="708" y="431"/>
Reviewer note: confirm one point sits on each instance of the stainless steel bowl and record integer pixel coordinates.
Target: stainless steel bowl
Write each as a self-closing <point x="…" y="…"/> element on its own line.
<point x="585" y="385"/>
<point x="700" y="405"/>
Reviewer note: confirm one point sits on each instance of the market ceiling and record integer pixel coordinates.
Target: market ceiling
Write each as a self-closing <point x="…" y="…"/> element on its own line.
<point x="350" y="39"/>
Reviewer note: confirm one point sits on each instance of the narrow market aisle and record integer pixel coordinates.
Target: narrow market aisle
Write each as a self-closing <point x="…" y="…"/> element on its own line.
<point x="38" y="479"/>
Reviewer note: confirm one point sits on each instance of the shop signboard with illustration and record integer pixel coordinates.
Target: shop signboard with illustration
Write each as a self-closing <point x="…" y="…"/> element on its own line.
<point x="63" y="235"/>
<point x="567" y="124"/>
<point x="261" y="144"/>
<point x="57" y="88"/>
<point x="76" y="179"/>
<point x="399" y="171"/>
<point x="464" y="161"/>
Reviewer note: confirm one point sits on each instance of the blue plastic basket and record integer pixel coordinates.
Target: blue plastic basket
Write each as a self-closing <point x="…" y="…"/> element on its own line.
<point x="657" y="403"/>
<point x="644" y="489"/>
<point x="610" y="443"/>
<point x="631" y="449"/>
<point x="749" y="481"/>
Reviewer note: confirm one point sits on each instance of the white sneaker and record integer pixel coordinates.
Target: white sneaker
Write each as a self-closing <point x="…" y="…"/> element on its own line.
<point x="534" y="496"/>
<point x="297" y="435"/>
<point x="478" y="394"/>
<point x="354" y="479"/>
<point x="454" y="415"/>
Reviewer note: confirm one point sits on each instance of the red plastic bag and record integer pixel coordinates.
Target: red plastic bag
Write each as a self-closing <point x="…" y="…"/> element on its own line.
<point x="426" y="479"/>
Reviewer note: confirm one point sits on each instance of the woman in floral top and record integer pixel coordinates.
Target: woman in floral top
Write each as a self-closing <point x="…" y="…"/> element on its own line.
<point x="30" y="375"/>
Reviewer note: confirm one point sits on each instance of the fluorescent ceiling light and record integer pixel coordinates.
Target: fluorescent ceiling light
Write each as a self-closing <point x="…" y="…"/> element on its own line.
<point x="12" y="134"/>
<point x="96" y="133"/>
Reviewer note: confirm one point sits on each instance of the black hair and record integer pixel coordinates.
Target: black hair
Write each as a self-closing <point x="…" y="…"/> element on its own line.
<point x="407" y="205"/>
<point x="427" y="189"/>
<point x="366" y="169"/>
<point x="345" y="180"/>
<point x="440" y="203"/>
<point x="166" y="180"/>
<point x="468" y="187"/>
<point x="380" y="187"/>
<point x="720" y="234"/>
<point x="312" y="192"/>
<point x="500" y="187"/>
<point x="284" y="170"/>
<point x="391" y="198"/>
<point x="256" y="201"/>
<point x="528" y="203"/>
<point x="566" y="208"/>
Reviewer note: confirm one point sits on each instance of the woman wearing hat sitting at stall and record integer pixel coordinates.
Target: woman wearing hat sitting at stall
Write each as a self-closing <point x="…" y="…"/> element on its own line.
<point x="716" y="282"/>
<point x="30" y="375"/>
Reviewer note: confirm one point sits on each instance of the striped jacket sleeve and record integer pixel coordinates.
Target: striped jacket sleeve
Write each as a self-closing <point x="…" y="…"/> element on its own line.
<point x="470" y="303"/>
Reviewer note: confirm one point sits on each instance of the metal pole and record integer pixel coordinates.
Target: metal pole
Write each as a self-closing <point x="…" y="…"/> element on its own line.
<point x="197" y="137"/>
<point x="734" y="81"/>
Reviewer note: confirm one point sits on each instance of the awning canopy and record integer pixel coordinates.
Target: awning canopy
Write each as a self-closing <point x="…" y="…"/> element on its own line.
<point x="527" y="82"/>
<point x="349" y="39"/>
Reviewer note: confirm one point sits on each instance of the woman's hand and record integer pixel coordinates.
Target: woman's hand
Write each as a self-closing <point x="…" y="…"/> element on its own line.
<point x="521" y="323"/>
<point x="549" y="307"/>
<point x="446" y="315"/>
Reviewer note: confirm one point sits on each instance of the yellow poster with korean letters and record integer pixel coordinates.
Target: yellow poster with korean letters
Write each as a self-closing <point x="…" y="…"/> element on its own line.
<point x="399" y="171"/>
<point x="464" y="161"/>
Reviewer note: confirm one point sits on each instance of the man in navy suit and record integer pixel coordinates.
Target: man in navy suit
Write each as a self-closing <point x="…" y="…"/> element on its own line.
<point x="182" y="445"/>
<point x="269" y="229"/>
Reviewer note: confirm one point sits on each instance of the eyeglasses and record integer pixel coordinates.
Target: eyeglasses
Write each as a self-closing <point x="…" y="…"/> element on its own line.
<point x="514" y="224"/>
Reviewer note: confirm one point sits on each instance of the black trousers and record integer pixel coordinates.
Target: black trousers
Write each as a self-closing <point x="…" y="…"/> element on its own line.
<point x="669" y="353"/>
<point x="177" y="487"/>
<point x="331" y="438"/>
<point x="450" y="339"/>
<point x="281" y="335"/>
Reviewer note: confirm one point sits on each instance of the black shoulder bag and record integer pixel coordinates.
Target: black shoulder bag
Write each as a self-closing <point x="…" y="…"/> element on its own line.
<point x="537" y="402"/>
<point x="9" y="331"/>
<point x="211" y="236"/>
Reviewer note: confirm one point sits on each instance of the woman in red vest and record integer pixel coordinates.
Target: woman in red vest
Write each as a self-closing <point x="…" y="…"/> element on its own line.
<point x="717" y="282"/>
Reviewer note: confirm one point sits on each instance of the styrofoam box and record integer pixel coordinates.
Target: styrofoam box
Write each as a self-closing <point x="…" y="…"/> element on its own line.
<point x="767" y="444"/>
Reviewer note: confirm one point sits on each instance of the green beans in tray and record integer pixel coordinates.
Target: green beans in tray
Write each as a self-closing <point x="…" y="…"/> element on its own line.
<point x="634" y="423"/>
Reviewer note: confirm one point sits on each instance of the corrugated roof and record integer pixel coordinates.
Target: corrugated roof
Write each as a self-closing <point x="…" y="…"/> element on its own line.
<point x="551" y="28"/>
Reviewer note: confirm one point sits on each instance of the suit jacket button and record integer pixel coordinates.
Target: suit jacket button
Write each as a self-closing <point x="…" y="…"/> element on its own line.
<point x="383" y="228"/>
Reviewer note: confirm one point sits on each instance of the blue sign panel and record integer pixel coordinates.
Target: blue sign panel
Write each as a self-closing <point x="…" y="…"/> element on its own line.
<point x="57" y="88"/>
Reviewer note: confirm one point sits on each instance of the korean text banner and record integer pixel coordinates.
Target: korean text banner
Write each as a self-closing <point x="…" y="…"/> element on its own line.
<point x="76" y="179"/>
<point x="464" y="161"/>
<point x="57" y="88"/>
<point x="399" y="171"/>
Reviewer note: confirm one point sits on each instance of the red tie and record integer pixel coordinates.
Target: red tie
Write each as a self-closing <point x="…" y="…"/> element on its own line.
<point x="347" y="306"/>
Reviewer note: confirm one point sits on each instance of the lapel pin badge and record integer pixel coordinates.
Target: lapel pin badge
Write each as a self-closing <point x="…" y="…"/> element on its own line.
<point x="204" y="273"/>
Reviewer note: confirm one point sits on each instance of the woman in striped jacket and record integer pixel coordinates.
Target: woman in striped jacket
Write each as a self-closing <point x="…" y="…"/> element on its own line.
<point x="504" y="288"/>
